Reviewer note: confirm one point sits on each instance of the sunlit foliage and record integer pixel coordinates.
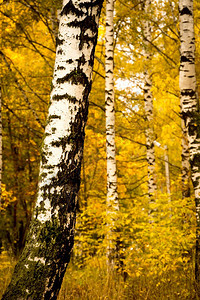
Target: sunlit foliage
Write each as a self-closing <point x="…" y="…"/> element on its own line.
<point x="155" y="257"/>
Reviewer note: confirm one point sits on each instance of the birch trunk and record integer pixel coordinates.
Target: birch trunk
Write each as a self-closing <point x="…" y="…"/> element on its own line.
<point x="190" y="109"/>
<point x="0" y="146"/>
<point x="40" y="270"/>
<point x="148" y="107"/>
<point x="185" y="162"/>
<point x="112" y="196"/>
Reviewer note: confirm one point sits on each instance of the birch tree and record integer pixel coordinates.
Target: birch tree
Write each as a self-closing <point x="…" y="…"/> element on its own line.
<point x="185" y="162"/>
<point x="0" y="146"/>
<point x="41" y="267"/>
<point x="190" y="109"/>
<point x="112" y="196"/>
<point x="148" y="107"/>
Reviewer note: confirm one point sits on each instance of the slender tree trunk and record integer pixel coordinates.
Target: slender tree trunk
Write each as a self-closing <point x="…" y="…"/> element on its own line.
<point x="148" y="106"/>
<point x="54" y="22"/>
<point x="167" y="175"/>
<point x="0" y="145"/>
<point x="85" y="194"/>
<point x="185" y="162"/>
<point x="16" y="187"/>
<point x="112" y="196"/>
<point x="40" y="270"/>
<point x="190" y="110"/>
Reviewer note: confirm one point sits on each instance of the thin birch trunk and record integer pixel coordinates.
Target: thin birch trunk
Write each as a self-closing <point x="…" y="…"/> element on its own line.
<point x="0" y="145"/>
<point x="167" y="174"/>
<point x="54" y="22"/>
<point x="40" y="270"/>
<point x="148" y="107"/>
<point x="112" y="195"/>
<point x="185" y="162"/>
<point x="190" y="109"/>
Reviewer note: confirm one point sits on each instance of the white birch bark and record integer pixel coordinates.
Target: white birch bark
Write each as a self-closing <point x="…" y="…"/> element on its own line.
<point x="190" y="109"/>
<point x="112" y="195"/>
<point x="40" y="270"/>
<point x="148" y="107"/>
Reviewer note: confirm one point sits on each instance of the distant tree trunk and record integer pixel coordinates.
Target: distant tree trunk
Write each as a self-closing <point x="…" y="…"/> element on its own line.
<point x="40" y="270"/>
<point x="112" y="195"/>
<point x="190" y="110"/>
<point x="54" y="23"/>
<point x="148" y="106"/>
<point x="185" y="162"/>
<point x="0" y="146"/>
<point x="167" y="175"/>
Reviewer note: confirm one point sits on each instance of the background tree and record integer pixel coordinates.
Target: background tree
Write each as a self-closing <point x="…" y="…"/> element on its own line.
<point x="0" y="146"/>
<point x="190" y="109"/>
<point x="148" y="106"/>
<point x="112" y="196"/>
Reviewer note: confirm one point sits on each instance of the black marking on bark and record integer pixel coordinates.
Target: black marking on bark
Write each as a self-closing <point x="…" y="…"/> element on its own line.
<point x="81" y="61"/>
<point x="77" y="76"/>
<point x="195" y="162"/>
<point x="188" y="92"/>
<point x="185" y="11"/>
<point x="52" y="117"/>
<point x="192" y="119"/>
<point x="69" y="61"/>
<point x="60" y="68"/>
<point x="65" y="96"/>
<point x="186" y="59"/>
<point x="69" y="8"/>
<point x="43" y="157"/>
<point x="89" y="4"/>
<point x="59" y="41"/>
<point x="89" y="22"/>
<point x="60" y="51"/>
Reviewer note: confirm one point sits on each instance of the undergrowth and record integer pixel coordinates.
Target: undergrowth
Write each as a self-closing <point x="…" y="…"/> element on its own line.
<point x="91" y="282"/>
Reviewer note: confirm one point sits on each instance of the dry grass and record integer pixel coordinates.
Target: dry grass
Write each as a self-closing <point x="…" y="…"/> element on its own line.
<point x="91" y="283"/>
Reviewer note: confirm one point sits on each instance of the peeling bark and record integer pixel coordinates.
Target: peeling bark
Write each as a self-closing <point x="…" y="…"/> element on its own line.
<point x="190" y="109"/>
<point x="40" y="270"/>
<point x="112" y="195"/>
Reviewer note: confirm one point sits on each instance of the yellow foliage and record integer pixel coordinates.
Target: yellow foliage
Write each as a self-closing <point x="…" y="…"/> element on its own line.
<point x="6" y="197"/>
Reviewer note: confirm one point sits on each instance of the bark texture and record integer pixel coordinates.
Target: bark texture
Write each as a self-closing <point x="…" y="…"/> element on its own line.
<point x="185" y="162"/>
<point x="112" y="195"/>
<point x="40" y="270"/>
<point x="190" y="109"/>
<point x="148" y="107"/>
